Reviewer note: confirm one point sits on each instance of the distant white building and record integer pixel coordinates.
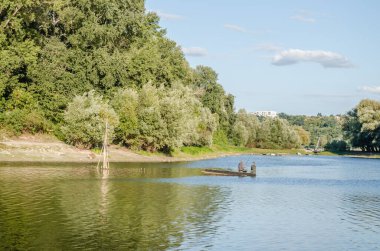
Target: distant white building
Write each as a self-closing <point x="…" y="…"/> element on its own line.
<point x="270" y="114"/>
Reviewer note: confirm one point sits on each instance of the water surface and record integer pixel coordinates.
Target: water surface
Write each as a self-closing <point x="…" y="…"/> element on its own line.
<point x="295" y="203"/>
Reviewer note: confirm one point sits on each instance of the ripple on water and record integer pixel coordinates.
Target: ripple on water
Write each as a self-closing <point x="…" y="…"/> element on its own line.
<point x="295" y="203"/>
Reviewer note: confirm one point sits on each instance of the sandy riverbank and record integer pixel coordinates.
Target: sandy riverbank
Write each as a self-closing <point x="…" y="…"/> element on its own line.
<point x="48" y="149"/>
<point x="44" y="148"/>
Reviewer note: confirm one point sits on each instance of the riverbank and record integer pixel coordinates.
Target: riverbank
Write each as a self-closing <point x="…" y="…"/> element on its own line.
<point x="43" y="148"/>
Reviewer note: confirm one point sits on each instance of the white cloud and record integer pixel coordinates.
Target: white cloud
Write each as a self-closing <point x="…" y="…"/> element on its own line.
<point x="269" y="47"/>
<point x="303" y="16"/>
<point x="327" y="59"/>
<point x="168" y="16"/>
<point x="235" y="28"/>
<point x="326" y="95"/>
<point x="303" y="19"/>
<point x="195" y="51"/>
<point x="371" y="89"/>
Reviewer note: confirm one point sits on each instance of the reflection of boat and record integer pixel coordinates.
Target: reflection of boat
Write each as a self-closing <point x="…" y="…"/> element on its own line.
<point x="227" y="173"/>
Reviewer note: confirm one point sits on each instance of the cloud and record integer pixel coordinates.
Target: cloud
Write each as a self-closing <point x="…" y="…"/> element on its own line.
<point x="324" y="95"/>
<point x="371" y="89"/>
<point x="327" y="59"/>
<point x="168" y="16"/>
<point x="268" y="47"/>
<point x="303" y="19"/>
<point x="236" y="28"/>
<point x="195" y="51"/>
<point x="303" y="16"/>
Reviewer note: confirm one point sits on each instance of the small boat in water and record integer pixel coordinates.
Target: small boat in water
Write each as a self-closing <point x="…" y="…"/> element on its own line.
<point x="221" y="172"/>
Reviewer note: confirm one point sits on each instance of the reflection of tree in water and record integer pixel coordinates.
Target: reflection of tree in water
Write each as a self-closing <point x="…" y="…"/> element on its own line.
<point x="139" y="214"/>
<point x="29" y="209"/>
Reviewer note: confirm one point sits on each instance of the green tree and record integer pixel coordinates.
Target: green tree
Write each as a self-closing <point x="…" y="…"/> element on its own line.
<point x="245" y="129"/>
<point x="125" y="103"/>
<point x="277" y="133"/>
<point x="85" y="120"/>
<point x="214" y="97"/>
<point x="362" y="127"/>
<point x="303" y="135"/>
<point x="19" y="43"/>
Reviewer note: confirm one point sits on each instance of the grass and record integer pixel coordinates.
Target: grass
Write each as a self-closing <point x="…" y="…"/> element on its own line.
<point x="217" y="150"/>
<point x="193" y="150"/>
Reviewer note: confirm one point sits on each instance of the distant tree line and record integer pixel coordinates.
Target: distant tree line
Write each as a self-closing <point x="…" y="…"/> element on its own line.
<point x="359" y="128"/>
<point x="322" y="128"/>
<point x="252" y="131"/>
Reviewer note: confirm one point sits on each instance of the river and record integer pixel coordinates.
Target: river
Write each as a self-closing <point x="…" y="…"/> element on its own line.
<point x="294" y="203"/>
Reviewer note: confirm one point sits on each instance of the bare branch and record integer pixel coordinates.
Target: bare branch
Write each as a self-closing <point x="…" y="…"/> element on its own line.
<point x="13" y="14"/>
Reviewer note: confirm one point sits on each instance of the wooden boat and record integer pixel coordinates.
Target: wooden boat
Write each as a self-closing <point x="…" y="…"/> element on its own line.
<point x="221" y="172"/>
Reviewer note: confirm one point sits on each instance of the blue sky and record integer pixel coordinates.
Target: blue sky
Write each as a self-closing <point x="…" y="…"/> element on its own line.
<point x="298" y="57"/>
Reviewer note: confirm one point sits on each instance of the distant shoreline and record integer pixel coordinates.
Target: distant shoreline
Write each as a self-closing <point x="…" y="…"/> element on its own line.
<point x="49" y="150"/>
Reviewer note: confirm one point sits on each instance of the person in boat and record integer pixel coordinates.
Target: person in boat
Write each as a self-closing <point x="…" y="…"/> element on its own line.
<point x="253" y="168"/>
<point x="241" y="166"/>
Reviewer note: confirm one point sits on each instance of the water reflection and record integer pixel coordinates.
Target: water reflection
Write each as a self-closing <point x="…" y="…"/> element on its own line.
<point x="86" y="209"/>
<point x="304" y="203"/>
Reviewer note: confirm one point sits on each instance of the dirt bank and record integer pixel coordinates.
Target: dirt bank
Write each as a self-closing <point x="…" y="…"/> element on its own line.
<point x="48" y="149"/>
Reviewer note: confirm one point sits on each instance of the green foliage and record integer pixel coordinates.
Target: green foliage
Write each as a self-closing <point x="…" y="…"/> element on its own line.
<point x="54" y="51"/>
<point x="220" y="138"/>
<point x="18" y="121"/>
<point x="369" y="114"/>
<point x="159" y="118"/>
<point x="85" y="120"/>
<point x="325" y="128"/>
<point x="337" y="146"/>
<point x="214" y="97"/>
<point x="303" y="135"/>
<point x="362" y="126"/>
<point x="196" y="150"/>
<point x="274" y="133"/>
<point x="277" y="133"/>
<point x="23" y="115"/>
<point x="125" y="104"/>
<point x="245" y="129"/>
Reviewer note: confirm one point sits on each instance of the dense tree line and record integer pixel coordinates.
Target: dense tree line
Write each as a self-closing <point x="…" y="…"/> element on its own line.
<point x="251" y="131"/>
<point x="324" y="128"/>
<point x="359" y="128"/>
<point x="67" y="66"/>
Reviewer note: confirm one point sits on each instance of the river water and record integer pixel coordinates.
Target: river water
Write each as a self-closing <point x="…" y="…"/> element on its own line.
<point x="295" y="203"/>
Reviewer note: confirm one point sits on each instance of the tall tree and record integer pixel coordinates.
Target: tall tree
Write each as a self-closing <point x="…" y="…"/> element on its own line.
<point x="362" y="126"/>
<point x="214" y="97"/>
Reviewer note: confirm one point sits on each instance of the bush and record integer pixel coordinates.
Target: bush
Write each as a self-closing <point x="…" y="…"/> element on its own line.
<point x="20" y="121"/>
<point x="220" y="138"/>
<point x="337" y="146"/>
<point x="23" y="115"/>
<point x="165" y="119"/>
<point x="84" y="121"/>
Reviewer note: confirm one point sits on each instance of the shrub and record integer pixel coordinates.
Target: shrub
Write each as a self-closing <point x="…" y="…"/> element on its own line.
<point x="20" y="121"/>
<point x="84" y="121"/>
<point x="337" y="146"/>
<point x="23" y="115"/>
